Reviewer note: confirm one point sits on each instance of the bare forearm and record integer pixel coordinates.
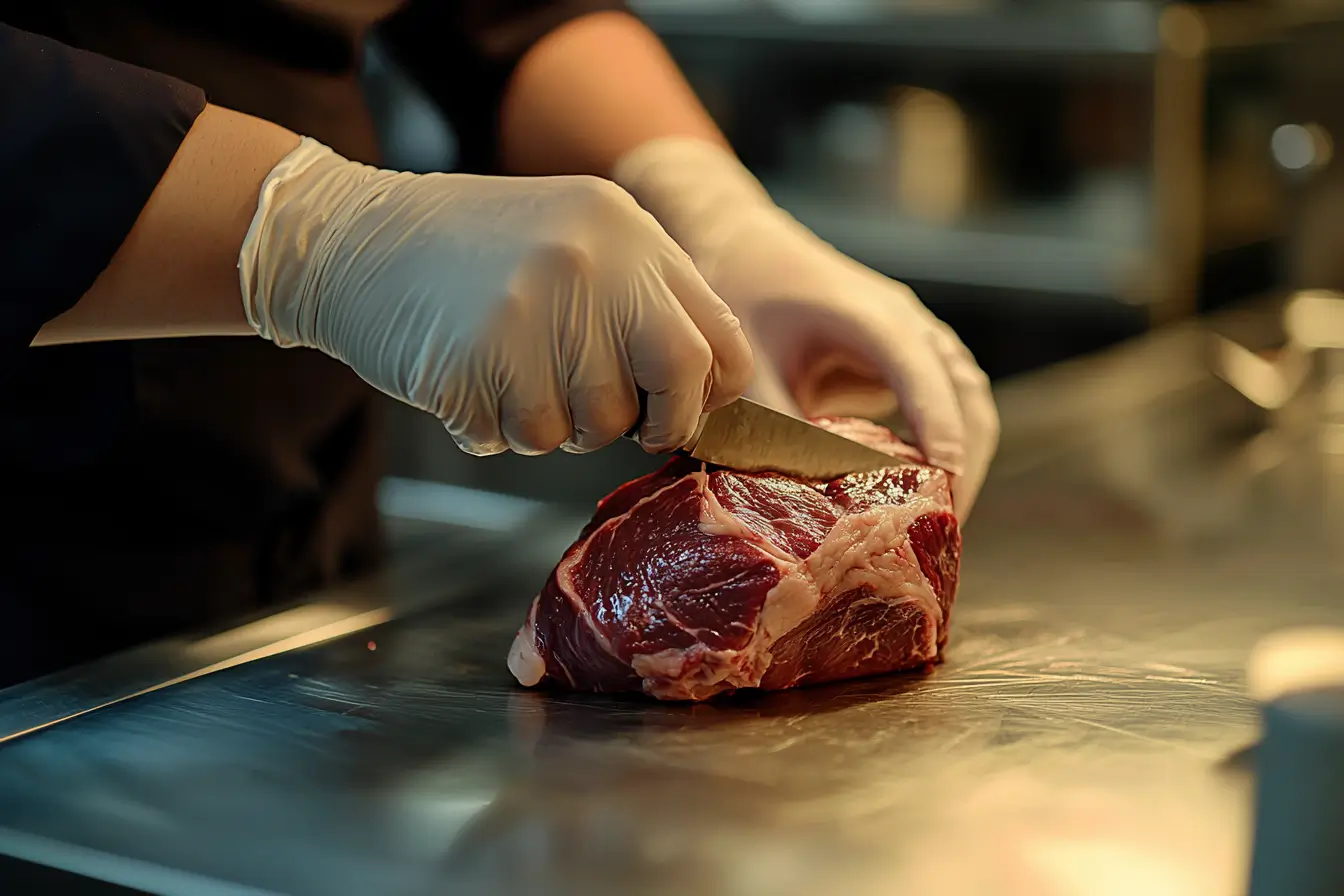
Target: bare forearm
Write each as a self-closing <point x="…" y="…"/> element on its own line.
<point x="176" y="272"/>
<point x="590" y="92"/>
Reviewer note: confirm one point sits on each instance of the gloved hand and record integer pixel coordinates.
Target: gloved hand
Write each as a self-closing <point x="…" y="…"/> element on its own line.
<point x="522" y="312"/>
<point x="819" y="322"/>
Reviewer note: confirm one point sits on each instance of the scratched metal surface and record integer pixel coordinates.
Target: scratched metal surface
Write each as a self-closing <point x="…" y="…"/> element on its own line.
<point x="1083" y="737"/>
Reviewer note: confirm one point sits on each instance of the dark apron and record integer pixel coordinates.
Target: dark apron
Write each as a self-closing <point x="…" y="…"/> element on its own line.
<point x="247" y="475"/>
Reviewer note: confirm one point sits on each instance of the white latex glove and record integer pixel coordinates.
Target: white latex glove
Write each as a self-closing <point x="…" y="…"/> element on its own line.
<point x="820" y="323"/>
<point x="522" y="312"/>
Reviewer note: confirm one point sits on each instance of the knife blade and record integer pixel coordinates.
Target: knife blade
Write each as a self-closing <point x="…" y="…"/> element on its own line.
<point x="751" y="437"/>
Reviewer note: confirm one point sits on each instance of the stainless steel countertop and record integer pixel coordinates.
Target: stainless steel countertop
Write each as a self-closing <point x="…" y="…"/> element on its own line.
<point x="1086" y="736"/>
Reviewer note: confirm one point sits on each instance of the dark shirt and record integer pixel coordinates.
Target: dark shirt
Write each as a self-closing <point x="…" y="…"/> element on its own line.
<point x="154" y="486"/>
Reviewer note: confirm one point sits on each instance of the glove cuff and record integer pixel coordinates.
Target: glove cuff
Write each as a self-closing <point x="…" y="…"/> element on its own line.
<point x="303" y="202"/>
<point x="698" y="190"/>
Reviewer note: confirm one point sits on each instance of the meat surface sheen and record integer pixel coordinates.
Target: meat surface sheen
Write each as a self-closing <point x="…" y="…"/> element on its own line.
<point x="695" y="581"/>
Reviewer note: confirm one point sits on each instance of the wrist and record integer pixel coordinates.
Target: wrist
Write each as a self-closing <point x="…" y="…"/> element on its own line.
<point x="304" y="203"/>
<point x="701" y="194"/>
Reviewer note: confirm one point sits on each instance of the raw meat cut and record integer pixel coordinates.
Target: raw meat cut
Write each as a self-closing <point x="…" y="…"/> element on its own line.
<point x="695" y="581"/>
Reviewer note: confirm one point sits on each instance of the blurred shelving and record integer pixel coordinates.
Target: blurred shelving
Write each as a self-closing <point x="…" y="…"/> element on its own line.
<point x="1119" y="164"/>
<point x="1084" y="28"/>
<point x="1029" y="30"/>
<point x="1196" y="191"/>
<point x="1038" y="249"/>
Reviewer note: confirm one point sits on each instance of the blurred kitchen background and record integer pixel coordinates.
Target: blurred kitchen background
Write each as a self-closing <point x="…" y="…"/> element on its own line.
<point x="1052" y="176"/>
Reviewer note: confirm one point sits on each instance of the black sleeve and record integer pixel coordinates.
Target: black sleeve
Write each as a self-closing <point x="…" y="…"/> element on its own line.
<point x="83" y="142"/>
<point x="463" y="53"/>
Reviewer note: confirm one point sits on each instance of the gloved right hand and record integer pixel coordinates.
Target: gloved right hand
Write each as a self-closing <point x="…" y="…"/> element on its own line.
<point x="522" y="312"/>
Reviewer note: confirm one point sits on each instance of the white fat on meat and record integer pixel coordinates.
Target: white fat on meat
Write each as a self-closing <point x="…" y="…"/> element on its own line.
<point x="870" y="550"/>
<point x="525" y="662"/>
<point x="524" y="658"/>
<point x="856" y="553"/>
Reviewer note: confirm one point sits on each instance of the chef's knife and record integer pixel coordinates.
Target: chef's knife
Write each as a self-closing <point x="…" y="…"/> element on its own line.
<point x="753" y="438"/>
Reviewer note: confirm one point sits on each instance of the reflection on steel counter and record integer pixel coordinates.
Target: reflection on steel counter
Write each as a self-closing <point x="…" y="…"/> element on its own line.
<point x="416" y="766"/>
<point x="1080" y="739"/>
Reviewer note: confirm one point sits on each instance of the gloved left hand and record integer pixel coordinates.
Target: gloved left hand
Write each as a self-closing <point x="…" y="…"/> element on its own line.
<point x="822" y="326"/>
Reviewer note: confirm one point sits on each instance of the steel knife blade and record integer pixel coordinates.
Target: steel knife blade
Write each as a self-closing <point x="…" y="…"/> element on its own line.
<point x="751" y="437"/>
<point x="754" y="438"/>
<point x="748" y="436"/>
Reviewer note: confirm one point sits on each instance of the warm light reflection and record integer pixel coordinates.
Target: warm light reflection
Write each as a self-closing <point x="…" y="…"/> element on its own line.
<point x="1315" y="318"/>
<point x="1293" y="660"/>
<point x="1297" y="147"/>
<point x="439" y="502"/>
<point x="1103" y="868"/>
<point x="931" y="153"/>
<point x="286" y="624"/>
<point x="282" y="633"/>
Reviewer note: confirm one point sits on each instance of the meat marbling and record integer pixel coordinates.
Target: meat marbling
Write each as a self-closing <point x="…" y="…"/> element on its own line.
<point x="694" y="581"/>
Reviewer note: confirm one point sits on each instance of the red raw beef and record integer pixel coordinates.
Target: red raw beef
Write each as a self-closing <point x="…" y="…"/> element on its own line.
<point x="695" y="581"/>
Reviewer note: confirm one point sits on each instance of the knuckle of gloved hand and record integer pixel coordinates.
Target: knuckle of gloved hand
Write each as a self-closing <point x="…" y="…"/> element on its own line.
<point x="665" y="435"/>
<point x="602" y="413"/>
<point x="586" y="439"/>
<point x="689" y="359"/>
<point x="478" y="447"/>
<point x="536" y="430"/>
<point x="733" y="374"/>
<point x="571" y="239"/>
<point x="565" y="257"/>
<point x="476" y="432"/>
<point x="975" y="375"/>
<point x="992" y="427"/>
<point x="600" y="203"/>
